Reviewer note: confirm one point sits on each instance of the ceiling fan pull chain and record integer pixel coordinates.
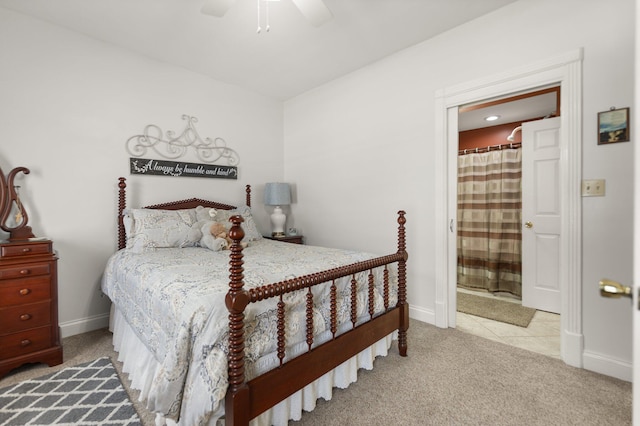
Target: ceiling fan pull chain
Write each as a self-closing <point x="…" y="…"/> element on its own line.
<point x="266" y="4"/>
<point x="259" y="27"/>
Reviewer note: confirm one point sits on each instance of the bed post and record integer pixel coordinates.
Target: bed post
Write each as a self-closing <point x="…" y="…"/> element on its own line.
<point x="402" y="286"/>
<point x="237" y="399"/>
<point x="121" y="205"/>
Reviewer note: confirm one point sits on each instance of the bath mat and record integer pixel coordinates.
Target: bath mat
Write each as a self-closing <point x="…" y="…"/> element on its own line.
<point x="86" y="394"/>
<point x="495" y="309"/>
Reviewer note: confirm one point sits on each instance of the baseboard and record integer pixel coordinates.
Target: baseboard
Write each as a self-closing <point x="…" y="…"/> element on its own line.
<point x="572" y="348"/>
<point x="608" y="366"/>
<point x="84" y="325"/>
<point x="422" y="314"/>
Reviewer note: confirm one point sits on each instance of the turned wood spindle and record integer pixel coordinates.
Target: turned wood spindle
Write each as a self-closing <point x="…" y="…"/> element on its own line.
<point x="354" y="301"/>
<point x="280" y="330"/>
<point x="248" y="199"/>
<point x="402" y="286"/>
<point x="334" y="308"/>
<point x="236" y="301"/>
<point x="386" y="288"/>
<point x="122" y="202"/>
<point x="309" y="316"/>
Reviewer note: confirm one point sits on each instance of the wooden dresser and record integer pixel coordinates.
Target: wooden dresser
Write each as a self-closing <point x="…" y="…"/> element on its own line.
<point x="29" y="330"/>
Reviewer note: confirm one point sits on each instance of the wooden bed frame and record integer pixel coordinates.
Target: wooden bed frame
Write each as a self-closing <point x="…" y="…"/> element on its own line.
<point x="248" y="399"/>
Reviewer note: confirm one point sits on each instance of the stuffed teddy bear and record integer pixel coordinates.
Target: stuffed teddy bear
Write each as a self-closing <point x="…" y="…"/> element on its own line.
<point x="214" y="236"/>
<point x="218" y="230"/>
<point x="209" y="233"/>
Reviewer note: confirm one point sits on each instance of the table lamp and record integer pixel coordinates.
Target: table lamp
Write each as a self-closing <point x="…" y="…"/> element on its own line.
<point x="277" y="194"/>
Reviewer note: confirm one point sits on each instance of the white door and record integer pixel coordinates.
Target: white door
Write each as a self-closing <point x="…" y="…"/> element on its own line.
<point x="615" y="289"/>
<point x="541" y="238"/>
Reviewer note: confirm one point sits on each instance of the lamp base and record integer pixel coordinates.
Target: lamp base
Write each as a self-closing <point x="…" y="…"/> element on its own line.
<point x="278" y="220"/>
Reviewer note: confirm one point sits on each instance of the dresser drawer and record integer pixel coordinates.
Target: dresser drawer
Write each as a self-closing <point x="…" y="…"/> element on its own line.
<point x="25" y="249"/>
<point x="25" y="342"/>
<point x="26" y="290"/>
<point x="24" y="317"/>
<point x="27" y="270"/>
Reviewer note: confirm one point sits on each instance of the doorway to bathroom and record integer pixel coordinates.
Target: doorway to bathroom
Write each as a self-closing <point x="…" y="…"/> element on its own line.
<point x="564" y="71"/>
<point x="491" y="193"/>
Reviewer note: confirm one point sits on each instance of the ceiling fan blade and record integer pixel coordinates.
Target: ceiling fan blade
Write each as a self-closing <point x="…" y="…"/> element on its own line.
<point x="216" y="7"/>
<point x="314" y="10"/>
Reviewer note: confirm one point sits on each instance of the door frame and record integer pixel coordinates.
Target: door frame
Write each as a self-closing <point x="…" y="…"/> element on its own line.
<point x="564" y="70"/>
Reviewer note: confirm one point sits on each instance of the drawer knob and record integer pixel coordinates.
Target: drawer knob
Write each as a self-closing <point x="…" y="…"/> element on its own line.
<point x="24" y="272"/>
<point x="25" y="342"/>
<point x="24" y="292"/>
<point x="26" y="250"/>
<point x="25" y="317"/>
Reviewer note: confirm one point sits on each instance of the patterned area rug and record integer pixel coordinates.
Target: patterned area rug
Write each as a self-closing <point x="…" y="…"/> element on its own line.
<point x="495" y="309"/>
<point x="87" y="394"/>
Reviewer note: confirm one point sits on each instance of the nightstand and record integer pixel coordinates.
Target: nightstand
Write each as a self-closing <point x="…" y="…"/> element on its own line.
<point x="29" y="330"/>
<point x="295" y="239"/>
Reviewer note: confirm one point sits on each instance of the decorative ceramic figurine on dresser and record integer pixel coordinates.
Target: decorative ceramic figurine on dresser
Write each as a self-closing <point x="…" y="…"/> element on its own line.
<point x="29" y="330"/>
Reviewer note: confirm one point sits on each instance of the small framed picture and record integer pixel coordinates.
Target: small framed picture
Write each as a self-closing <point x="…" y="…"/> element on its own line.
<point x="613" y="126"/>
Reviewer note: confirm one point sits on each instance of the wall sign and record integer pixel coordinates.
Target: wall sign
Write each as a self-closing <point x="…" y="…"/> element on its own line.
<point x="144" y="166"/>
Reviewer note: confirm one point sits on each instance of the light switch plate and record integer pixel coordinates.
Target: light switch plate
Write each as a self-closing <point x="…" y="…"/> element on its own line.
<point x="593" y="188"/>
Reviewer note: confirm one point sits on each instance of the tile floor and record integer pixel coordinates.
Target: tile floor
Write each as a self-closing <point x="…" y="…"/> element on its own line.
<point x="541" y="336"/>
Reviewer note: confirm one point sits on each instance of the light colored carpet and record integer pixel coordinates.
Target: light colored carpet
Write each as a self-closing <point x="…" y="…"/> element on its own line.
<point x="494" y="309"/>
<point x="449" y="378"/>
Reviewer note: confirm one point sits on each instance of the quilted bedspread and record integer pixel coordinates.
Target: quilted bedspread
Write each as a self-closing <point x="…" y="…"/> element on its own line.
<point x="173" y="299"/>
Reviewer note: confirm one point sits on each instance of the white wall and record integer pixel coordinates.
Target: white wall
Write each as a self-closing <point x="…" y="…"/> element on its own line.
<point x="359" y="148"/>
<point x="68" y="104"/>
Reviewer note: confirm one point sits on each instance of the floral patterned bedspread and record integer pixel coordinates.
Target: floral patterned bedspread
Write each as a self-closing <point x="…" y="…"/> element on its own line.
<point x="173" y="299"/>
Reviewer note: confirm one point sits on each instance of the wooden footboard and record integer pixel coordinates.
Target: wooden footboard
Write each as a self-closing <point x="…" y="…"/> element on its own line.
<point x="248" y="399"/>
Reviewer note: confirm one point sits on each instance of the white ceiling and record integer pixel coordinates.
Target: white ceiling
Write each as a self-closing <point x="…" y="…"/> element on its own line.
<point x="293" y="57"/>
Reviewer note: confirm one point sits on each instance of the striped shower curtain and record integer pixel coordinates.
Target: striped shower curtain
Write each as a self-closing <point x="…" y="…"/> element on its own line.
<point x="489" y="221"/>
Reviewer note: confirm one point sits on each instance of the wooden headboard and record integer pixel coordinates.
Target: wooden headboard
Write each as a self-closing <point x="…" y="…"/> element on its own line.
<point x="189" y="203"/>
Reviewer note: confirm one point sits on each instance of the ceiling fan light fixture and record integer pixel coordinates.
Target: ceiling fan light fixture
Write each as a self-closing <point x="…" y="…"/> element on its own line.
<point x="315" y="11"/>
<point x="216" y="7"/>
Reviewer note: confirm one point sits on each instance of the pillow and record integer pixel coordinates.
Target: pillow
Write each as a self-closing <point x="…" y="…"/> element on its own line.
<point x="251" y="232"/>
<point x="154" y="228"/>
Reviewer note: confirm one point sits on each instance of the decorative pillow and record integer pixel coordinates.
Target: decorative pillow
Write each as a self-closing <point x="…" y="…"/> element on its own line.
<point x="154" y="228"/>
<point x="251" y="232"/>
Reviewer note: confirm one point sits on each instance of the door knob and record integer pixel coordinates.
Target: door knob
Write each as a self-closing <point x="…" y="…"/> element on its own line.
<point x="609" y="288"/>
<point x="528" y="224"/>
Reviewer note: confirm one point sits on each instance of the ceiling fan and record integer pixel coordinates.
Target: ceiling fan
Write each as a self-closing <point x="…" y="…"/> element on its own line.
<point x="314" y="10"/>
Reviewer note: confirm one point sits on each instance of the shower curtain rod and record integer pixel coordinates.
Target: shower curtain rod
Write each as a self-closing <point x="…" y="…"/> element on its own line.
<point x="512" y="145"/>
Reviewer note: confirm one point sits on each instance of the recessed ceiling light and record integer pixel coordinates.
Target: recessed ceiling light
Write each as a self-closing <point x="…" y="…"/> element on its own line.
<point x="492" y="118"/>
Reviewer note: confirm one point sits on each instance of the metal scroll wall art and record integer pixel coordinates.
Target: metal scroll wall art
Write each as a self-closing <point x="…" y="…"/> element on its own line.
<point x="171" y="146"/>
<point x="13" y="216"/>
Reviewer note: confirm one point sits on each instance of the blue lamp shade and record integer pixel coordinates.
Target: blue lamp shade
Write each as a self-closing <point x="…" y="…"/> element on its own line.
<point x="277" y="194"/>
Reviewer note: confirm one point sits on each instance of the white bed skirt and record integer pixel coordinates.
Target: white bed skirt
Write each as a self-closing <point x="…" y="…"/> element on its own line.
<point x="140" y="365"/>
